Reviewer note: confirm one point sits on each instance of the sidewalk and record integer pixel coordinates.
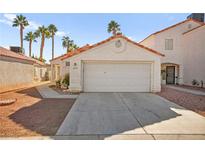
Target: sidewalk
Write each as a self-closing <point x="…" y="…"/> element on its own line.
<point x="47" y="92"/>
<point x="195" y="92"/>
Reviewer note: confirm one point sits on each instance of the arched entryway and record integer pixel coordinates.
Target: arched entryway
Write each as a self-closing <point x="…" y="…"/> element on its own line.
<point x="169" y="73"/>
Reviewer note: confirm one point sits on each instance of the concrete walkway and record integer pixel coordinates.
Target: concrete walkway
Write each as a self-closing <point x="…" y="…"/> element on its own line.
<point x="129" y="116"/>
<point x="47" y="92"/>
<point x="195" y="92"/>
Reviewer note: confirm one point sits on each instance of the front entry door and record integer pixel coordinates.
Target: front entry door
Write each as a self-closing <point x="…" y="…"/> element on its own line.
<point x="170" y="71"/>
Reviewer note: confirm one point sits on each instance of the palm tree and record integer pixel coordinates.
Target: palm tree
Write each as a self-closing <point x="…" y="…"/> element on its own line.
<point x="67" y="43"/>
<point x="30" y="37"/>
<point x="113" y="27"/>
<point x="52" y="29"/>
<point x="43" y="33"/>
<point x="20" y="21"/>
<point x="73" y="47"/>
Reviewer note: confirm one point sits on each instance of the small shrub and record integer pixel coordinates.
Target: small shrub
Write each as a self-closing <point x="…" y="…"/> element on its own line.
<point x="195" y="82"/>
<point x="66" y="80"/>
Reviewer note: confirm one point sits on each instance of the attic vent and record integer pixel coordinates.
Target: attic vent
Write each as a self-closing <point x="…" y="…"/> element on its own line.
<point x="189" y="26"/>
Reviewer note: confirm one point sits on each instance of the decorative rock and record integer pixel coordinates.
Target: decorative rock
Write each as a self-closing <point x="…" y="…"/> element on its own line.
<point x="7" y="101"/>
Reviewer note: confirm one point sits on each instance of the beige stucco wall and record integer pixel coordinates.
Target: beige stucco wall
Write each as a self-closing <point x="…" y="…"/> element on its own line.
<point x="40" y="73"/>
<point x="194" y="59"/>
<point x="14" y="72"/>
<point x="149" y="42"/>
<point x="63" y="69"/>
<point x="176" y="55"/>
<point x="108" y="52"/>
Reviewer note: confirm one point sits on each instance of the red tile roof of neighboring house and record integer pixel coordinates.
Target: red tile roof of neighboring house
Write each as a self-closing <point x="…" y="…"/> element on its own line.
<point x="86" y="47"/>
<point x="38" y="62"/>
<point x="7" y="53"/>
<point x="201" y="23"/>
<point x="194" y="29"/>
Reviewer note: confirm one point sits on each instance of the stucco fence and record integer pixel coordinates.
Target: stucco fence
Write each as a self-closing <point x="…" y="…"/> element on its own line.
<point x="14" y="73"/>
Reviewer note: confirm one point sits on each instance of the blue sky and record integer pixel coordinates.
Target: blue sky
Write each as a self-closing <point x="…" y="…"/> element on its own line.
<point x="84" y="28"/>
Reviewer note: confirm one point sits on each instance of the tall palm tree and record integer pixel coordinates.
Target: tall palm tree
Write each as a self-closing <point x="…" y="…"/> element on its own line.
<point x="67" y="43"/>
<point x="113" y="27"/>
<point x="73" y="47"/>
<point x="20" y="21"/>
<point x="43" y="33"/>
<point x="30" y="37"/>
<point x="52" y="29"/>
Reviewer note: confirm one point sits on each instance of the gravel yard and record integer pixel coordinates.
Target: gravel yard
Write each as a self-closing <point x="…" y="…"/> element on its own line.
<point x="31" y="115"/>
<point x="193" y="102"/>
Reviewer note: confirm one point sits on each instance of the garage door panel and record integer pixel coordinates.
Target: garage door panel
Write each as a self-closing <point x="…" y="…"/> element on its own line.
<point x="116" y="77"/>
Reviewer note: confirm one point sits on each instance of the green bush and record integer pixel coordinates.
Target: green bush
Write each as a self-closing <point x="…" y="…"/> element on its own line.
<point x="66" y="80"/>
<point x="195" y="82"/>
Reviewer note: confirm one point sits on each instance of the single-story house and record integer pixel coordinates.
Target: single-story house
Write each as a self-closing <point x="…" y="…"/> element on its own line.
<point x="15" y="69"/>
<point x="58" y="68"/>
<point x="116" y="64"/>
<point x="41" y="71"/>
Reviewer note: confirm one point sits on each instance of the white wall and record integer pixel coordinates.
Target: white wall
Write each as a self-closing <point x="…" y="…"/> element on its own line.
<point x="194" y="59"/>
<point x="108" y="51"/>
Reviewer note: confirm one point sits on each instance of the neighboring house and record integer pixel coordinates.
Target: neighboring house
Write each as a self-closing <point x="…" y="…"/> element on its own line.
<point x="183" y="47"/>
<point x="194" y="59"/>
<point x="15" y="69"/>
<point x="41" y="71"/>
<point x="58" y="68"/>
<point x="116" y="64"/>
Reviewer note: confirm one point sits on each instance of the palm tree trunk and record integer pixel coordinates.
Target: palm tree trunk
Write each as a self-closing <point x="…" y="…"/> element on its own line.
<point x="114" y="32"/>
<point x="30" y="44"/>
<point x="67" y="49"/>
<point x="52" y="46"/>
<point x="42" y="46"/>
<point x="21" y="37"/>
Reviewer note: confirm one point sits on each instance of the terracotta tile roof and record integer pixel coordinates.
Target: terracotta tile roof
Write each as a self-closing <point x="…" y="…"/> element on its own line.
<point x="58" y="57"/>
<point x="86" y="47"/>
<point x="193" y="29"/>
<point x="201" y="23"/>
<point x="7" y="53"/>
<point x="38" y="62"/>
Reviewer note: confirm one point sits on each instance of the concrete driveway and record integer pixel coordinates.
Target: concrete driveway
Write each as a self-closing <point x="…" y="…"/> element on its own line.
<point x="131" y="116"/>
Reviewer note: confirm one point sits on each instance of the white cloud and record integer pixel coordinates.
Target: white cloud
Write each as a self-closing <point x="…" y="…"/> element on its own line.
<point x="60" y="33"/>
<point x="33" y="25"/>
<point x="6" y="22"/>
<point x="9" y="16"/>
<point x="8" y="19"/>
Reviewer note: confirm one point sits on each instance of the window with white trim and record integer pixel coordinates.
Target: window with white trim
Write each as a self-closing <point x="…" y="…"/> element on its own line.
<point x="168" y="44"/>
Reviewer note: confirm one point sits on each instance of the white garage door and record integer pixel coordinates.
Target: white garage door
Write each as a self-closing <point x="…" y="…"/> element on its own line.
<point x="117" y="77"/>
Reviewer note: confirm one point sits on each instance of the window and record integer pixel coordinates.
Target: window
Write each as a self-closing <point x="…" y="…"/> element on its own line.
<point x="67" y="63"/>
<point x="168" y="44"/>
